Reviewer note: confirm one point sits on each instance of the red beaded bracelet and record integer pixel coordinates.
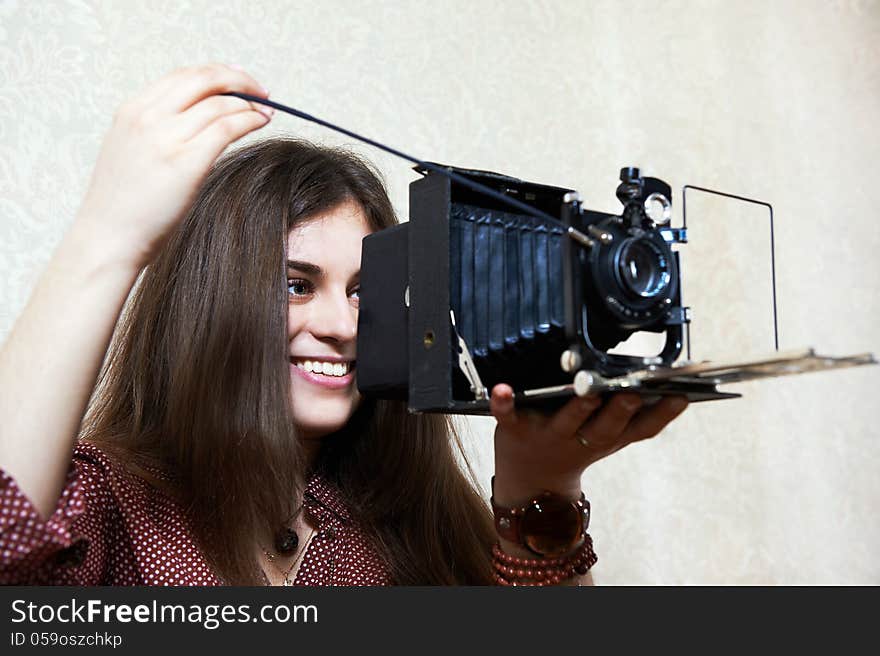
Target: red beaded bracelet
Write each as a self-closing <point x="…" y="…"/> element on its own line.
<point x="513" y="571"/>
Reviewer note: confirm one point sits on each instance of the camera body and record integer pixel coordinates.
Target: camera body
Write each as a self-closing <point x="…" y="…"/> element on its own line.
<point x="468" y="293"/>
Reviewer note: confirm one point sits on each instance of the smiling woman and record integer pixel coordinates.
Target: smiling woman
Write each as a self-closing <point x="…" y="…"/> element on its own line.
<point x="225" y="440"/>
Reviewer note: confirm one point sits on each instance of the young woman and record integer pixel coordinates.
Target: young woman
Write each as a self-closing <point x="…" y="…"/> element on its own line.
<point x="219" y="438"/>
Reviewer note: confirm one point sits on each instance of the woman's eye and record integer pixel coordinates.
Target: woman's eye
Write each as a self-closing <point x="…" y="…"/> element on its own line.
<point x="299" y="287"/>
<point x="356" y="292"/>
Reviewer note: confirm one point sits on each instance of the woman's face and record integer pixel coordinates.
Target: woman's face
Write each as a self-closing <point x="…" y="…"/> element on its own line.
<point x="323" y="272"/>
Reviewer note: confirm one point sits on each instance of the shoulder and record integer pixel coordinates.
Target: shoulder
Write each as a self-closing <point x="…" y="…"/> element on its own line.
<point x="99" y="475"/>
<point x="98" y="466"/>
<point x="114" y="491"/>
<point x="124" y="483"/>
<point x="144" y="527"/>
<point x="92" y="464"/>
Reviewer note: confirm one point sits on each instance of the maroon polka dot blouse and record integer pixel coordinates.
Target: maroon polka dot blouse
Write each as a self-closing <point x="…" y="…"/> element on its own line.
<point x="113" y="528"/>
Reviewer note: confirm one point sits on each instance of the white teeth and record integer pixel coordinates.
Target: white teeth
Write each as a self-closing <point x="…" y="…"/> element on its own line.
<point x="325" y="368"/>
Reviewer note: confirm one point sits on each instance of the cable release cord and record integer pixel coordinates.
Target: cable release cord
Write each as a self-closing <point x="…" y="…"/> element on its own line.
<point x="460" y="179"/>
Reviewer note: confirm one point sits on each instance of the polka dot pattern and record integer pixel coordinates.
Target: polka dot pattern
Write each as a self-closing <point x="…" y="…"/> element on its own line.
<point x="113" y="528"/>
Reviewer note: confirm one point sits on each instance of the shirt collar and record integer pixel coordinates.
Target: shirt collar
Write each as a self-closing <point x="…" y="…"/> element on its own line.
<point x="324" y="499"/>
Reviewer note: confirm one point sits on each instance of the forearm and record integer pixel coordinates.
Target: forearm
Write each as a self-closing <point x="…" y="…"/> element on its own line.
<point x="50" y="361"/>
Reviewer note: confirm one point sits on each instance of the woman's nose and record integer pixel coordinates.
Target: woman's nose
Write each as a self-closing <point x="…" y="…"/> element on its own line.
<point x="334" y="318"/>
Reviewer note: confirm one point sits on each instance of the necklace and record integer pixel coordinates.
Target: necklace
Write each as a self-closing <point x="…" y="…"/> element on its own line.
<point x="286" y="540"/>
<point x="285" y="573"/>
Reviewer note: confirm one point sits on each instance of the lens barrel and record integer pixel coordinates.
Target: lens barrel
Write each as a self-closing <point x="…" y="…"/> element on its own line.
<point x="642" y="269"/>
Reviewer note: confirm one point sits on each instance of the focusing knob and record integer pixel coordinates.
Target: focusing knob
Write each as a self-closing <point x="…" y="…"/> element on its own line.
<point x="631" y="183"/>
<point x="629" y="173"/>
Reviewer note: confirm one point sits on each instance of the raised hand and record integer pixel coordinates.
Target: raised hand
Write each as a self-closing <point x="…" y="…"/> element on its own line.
<point x="158" y="151"/>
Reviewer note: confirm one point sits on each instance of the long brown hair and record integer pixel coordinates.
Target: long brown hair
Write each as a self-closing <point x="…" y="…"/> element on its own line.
<point x="196" y="384"/>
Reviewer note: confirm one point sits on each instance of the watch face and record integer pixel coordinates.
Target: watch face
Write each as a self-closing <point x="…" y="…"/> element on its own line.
<point x="552" y="526"/>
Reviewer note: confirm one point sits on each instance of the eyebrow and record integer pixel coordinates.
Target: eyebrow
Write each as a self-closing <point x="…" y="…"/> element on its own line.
<point x="305" y="267"/>
<point x="311" y="269"/>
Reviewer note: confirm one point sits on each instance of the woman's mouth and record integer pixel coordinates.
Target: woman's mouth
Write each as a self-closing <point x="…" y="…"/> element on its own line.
<point x="327" y="374"/>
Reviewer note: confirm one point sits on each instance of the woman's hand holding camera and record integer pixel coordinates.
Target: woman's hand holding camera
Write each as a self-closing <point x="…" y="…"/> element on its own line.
<point x="534" y="452"/>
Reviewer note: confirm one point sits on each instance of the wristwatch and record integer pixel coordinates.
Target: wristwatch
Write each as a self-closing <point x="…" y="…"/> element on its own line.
<point x="548" y="526"/>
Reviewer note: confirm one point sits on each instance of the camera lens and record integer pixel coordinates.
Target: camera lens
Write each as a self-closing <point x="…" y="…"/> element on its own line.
<point x="642" y="268"/>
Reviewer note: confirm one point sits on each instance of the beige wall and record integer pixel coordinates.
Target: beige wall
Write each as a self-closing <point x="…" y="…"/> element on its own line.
<point x="777" y="100"/>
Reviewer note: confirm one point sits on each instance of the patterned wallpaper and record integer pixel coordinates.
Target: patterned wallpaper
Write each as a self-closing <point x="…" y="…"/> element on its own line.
<point x="775" y="100"/>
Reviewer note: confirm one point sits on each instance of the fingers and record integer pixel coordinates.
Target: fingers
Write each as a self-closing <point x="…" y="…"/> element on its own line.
<point x="613" y="419"/>
<point x="191" y="122"/>
<point x="501" y="406"/>
<point x="650" y="422"/>
<point x="185" y="87"/>
<point x="572" y="415"/>
<point x="563" y="422"/>
<point x="618" y="423"/>
<point x="210" y="142"/>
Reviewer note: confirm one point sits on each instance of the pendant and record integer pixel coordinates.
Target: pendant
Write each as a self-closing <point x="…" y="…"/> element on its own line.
<point x="286" y="541"/>
<point x="287" y="582"/>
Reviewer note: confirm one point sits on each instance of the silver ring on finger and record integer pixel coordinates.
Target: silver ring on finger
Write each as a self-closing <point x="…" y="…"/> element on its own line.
<point x="582" y="439"/>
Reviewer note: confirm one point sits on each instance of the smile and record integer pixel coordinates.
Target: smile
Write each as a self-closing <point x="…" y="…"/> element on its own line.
<point x="332" y="375"/>
<point x="323" y="368"/>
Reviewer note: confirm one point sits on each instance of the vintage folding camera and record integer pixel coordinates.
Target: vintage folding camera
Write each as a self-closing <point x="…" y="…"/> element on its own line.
<point x="494" y="279"/>
<point x="472" y="292"/>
